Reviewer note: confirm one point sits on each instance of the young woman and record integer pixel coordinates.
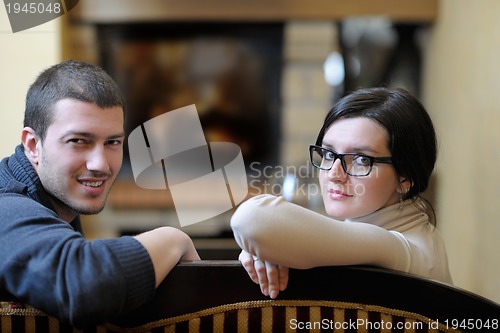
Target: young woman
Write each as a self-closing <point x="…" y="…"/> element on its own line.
<point x="375" y="154"/>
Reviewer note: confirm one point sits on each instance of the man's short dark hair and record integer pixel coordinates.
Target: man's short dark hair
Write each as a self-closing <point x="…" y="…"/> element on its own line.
<point x="70" y="79"/>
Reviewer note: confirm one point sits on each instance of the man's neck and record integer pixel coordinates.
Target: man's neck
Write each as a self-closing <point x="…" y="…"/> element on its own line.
<point x="63" y="211"/>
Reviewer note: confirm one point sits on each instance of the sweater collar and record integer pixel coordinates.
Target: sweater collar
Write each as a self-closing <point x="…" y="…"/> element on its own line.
<point x="20" y="169"/>
<point x="398" y="217"/>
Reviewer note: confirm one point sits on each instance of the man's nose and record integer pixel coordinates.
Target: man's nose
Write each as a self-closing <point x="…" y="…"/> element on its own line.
<point x="97" y="160"/>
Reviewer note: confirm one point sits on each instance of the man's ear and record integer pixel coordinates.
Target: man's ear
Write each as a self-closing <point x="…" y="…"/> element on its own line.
<point x="32" y="143"/>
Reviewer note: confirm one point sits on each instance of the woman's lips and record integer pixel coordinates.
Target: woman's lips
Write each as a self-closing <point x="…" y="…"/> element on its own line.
<point x="338" y="195"/>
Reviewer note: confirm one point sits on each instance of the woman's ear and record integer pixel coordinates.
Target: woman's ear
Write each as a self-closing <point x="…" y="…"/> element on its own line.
<point x="404" y="185"/>
<point x="32" y="143"/>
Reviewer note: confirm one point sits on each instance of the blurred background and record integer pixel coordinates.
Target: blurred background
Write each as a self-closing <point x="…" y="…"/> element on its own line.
<point x="263" y="74"/>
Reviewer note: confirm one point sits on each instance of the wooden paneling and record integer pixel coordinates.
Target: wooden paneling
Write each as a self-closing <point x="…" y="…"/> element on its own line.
<point x="97" y="11"/>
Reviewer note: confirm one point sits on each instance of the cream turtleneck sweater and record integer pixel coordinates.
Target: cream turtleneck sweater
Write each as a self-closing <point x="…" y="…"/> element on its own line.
<point x="400" y="238"/>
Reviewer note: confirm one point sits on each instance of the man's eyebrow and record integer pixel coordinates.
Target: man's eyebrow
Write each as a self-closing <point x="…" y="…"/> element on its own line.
<point x="117" y="136"/>
<point x="91" y="135"/>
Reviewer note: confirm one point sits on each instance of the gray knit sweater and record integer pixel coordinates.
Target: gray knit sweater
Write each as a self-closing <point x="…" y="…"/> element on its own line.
<point x="47" y="263"/>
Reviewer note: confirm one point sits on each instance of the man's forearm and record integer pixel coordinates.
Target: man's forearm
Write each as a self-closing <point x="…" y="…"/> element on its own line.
<point x="166" y="247"/>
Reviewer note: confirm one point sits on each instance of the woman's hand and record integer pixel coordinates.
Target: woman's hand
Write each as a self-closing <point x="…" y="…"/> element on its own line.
<point x="271" y="278"/>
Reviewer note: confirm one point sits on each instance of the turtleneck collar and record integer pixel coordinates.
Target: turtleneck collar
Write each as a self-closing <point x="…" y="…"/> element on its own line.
<point x="19" y="168"/>
<point x="398" y="217"/>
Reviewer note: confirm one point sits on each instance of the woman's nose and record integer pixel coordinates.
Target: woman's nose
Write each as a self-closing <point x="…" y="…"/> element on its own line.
<point x="337" y="173"/>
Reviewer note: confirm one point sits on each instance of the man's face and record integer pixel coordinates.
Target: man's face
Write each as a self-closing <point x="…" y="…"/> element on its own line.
<point x="81" y="156"/>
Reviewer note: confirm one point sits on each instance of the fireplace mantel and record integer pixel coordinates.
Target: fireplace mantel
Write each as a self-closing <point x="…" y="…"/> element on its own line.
<point x="127" y="11"/>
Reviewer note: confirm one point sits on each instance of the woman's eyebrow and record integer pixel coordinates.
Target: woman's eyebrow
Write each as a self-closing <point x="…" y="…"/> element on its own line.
<point x="354" y="149"/>
<point x="365" y="149"/>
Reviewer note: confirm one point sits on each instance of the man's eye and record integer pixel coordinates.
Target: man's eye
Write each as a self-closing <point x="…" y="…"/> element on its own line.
<point x="77" y="141"/>
<point x="114" y="142"/>
<point x="361" y="160"/>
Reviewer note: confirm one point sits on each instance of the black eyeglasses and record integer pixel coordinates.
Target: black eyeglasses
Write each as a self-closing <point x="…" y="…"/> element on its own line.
<point x="357" y="165"/>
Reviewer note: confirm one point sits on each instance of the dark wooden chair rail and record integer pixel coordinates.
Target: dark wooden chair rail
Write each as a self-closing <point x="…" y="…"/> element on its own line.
<point x="194" y="287"/>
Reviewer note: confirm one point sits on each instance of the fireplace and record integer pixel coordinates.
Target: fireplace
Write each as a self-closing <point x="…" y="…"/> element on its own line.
<point x="230" y="71"/>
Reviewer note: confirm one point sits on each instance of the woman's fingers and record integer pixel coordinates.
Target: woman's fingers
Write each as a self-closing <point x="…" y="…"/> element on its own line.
<point x="260" y="268"/>
<point x="271" y="278"/>
<point x="283" y="277"/>
<point x="247" y="260"/>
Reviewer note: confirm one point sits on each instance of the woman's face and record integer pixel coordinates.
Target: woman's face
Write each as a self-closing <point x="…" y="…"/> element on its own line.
<point x="347" y="196"/>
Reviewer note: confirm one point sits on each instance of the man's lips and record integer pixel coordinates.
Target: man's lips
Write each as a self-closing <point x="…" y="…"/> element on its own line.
<point x="93" y="182"/>
<point x="93" y="187"/>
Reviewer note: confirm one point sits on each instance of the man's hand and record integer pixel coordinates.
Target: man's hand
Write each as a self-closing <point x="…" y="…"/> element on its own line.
<point x="166" y="247"/>
<point x="271" y="278"/>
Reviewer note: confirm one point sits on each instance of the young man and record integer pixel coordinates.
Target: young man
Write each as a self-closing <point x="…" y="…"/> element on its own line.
<point x="71" y="152"/>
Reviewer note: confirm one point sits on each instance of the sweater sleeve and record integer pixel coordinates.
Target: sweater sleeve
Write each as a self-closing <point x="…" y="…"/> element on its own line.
<point x="44" y="262"/>
<point x="426" y="253"/>
<point x="290" y="235"/>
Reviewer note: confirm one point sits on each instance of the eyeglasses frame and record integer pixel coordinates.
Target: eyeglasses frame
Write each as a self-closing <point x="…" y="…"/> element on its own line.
<point x="373" y="160"/>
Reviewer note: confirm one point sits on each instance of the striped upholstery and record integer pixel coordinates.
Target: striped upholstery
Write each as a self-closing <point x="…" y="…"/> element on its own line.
<point x="252" y="317"/>
<point x="218" y="296"/>
<point x="296" y="316"/>
<point x="18" y="318"/>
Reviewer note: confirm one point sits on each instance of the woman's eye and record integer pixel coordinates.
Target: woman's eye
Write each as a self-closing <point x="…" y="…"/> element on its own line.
<point x="361" y="160"/>
<point x="329" y="156"/>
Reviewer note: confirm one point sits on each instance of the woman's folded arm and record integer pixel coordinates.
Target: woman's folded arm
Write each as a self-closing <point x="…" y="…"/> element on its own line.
<point x="290" y="235"/>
